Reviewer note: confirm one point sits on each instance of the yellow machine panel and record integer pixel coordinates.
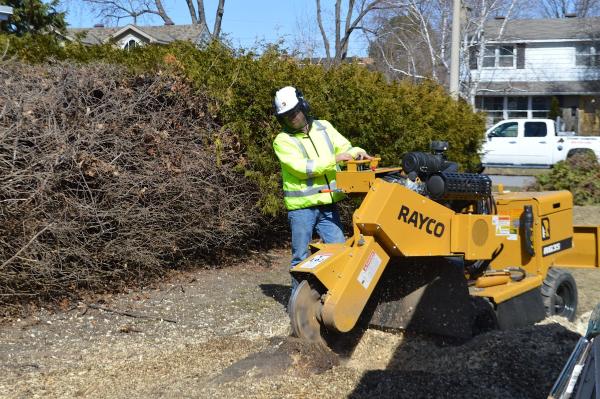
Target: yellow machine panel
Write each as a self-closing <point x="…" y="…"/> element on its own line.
<point x="408" y="224"/>
<point x="405" y="222"/>
<point x="475" y="236"/>
<point x="586" y="253"/>
<point x="552" y="229"/>
<point x="433" y="243"/>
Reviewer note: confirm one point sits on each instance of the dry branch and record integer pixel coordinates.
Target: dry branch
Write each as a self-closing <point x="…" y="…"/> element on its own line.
<point x="129" y="314"/>
<point x="116" y="178"/>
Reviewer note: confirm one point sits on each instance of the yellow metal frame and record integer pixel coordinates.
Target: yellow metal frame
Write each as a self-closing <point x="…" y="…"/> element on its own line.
<point x="393" y="221"/>
<point x="586" y="242"/>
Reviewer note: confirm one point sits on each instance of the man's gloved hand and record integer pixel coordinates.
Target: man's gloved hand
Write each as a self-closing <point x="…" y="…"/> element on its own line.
<point x="344" y="156"/>
<point x="363" y="155"/>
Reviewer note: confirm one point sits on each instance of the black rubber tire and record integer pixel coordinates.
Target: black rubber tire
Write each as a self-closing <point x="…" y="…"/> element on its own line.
<point x="559" y="294"/>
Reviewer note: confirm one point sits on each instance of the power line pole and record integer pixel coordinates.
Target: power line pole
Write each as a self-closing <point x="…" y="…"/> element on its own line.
<point x="455" y="48"/>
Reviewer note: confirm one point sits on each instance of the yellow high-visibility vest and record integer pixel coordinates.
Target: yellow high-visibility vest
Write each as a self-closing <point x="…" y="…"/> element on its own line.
<point x="308" y="164"/>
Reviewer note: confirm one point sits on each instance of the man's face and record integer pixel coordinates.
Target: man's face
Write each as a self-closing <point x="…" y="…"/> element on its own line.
<point x="296" y="119"/>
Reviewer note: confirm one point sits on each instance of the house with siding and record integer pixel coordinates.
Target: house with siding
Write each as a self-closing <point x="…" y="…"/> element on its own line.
<point x="5" y="12"/>
<point x="528" y="65"/>
<point x="130" y="36"/>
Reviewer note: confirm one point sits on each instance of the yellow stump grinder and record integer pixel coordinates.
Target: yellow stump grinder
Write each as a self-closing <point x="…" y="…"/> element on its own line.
<point x="435" y="251"/>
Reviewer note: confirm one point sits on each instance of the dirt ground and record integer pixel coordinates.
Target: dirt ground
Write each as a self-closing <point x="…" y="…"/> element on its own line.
<point x="225" y="333"/>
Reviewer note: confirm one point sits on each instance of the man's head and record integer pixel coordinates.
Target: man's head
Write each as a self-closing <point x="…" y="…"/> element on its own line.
<point x="291" y="109"/>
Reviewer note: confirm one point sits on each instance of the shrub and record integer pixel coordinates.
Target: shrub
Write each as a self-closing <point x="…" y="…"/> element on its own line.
<point x="385" y="118"/>
<point x="579" y="174"/>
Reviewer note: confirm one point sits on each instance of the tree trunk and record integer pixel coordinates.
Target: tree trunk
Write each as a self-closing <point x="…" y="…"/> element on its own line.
<point x="162" y="13"/>
<point x="344" y="44"/>
<point x="218" y="19"/>
<point x="338" y="5"/>
<point x="322" y="29"/>
<point x="202" y="15"/>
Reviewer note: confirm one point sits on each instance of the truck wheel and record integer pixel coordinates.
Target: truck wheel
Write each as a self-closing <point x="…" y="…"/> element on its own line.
<point x="559" y="293"/>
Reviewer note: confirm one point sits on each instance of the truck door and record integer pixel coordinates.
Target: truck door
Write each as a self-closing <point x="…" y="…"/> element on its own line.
<point x="501" y="144"/>
<point x="535" y="147"/>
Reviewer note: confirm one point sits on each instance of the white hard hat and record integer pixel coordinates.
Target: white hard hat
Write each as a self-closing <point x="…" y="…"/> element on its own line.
<point x="285" y="100"/>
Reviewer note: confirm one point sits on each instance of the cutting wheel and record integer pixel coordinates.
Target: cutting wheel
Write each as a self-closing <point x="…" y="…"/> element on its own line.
<point x="304" y="308"/>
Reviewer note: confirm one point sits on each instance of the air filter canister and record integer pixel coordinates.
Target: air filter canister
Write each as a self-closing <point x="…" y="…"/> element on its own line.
<point x="459" y="186"/>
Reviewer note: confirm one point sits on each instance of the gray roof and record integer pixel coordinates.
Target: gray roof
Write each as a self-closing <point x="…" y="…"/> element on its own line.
<point x="161" y="34"/>
<point x="520" y="30"/>
<point x="585" y="87"/>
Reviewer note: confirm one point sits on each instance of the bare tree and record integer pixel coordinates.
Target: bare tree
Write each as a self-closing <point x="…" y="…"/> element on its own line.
<point x="201" y="20"/>
<point x="116" y="10"/>
<point x="342" y="37"/>
<point x="401" y="50"/>
<point x="305" y="42"/>
<point x="415" y="41"/>
<point x="561" y="8"/>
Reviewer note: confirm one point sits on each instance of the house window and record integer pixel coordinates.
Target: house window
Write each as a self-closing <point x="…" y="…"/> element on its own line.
<point x="540" y="107"/>
<point x="517" y="107"/>
<point x="130" y="45"/>
<point x="493" y="106"/>
<point x="587" y="54"/>
<point x="499" y="108"/>
<point x="499" y="56"/>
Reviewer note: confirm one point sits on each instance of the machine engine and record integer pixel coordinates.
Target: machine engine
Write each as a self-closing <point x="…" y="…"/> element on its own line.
<point x="433" y="176"/>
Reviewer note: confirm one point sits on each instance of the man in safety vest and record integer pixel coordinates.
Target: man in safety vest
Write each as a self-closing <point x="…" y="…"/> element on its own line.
<point x="309" y="151"/>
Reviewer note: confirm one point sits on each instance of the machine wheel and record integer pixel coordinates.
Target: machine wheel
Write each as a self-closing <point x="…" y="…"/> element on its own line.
<point x="559" y="293"/>
<point x="304" y="309"/>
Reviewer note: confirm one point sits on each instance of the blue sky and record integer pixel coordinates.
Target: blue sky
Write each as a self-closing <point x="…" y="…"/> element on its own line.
<point x="247" y="22"/>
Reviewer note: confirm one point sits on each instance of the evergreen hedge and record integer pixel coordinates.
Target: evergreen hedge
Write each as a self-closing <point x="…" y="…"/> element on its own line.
<point x="385" y="118"/>
<point x="580" y="174"/>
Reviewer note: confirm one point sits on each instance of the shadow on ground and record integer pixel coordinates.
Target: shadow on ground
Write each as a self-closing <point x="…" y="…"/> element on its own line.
<point x="521" y="363"/>
<point x="281" y="293"/>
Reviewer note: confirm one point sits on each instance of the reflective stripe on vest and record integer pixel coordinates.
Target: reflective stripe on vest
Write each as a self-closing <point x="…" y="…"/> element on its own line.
<point x="310" y="191"/>
<point x="310" y="167"/>
<point x="300" y="146"/>
<point x="326" y="136"/>
<point x="310" y="164"/>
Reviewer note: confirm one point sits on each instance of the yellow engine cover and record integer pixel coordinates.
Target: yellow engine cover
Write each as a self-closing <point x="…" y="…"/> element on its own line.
<point x="407" y="224"/>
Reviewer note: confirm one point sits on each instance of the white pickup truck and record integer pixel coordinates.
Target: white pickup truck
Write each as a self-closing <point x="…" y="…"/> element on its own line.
<point x="532" y="143"/>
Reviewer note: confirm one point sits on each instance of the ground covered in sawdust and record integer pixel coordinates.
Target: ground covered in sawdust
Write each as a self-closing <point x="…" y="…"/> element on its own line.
<point x="225" y="333"/>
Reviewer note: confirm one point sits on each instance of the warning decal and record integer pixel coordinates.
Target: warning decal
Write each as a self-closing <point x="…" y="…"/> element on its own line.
<point x="369" y="270"/>
<point x="502" y="223"/>
<point x="315" y="261"/>
<point x="515" y="222"/>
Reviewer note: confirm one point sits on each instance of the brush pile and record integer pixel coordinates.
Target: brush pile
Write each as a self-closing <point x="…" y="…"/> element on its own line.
<point x="108" y="178"/>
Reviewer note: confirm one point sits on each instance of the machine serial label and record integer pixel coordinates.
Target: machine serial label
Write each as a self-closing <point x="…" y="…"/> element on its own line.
<point x="557" y="246"/>
<point x="369" y="270"/>
<point x="421" y="222"/>
<point x="315" y="261"/>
